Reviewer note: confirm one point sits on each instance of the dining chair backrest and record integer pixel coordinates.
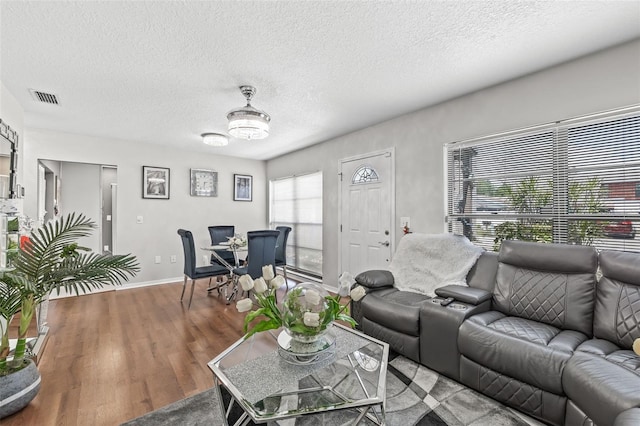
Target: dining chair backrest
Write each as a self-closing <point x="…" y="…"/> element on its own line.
<point x="220" y="233"/>
<point x="261" y="251"/>
<point x="189" y="252"/>
<point x="281" y="245"/>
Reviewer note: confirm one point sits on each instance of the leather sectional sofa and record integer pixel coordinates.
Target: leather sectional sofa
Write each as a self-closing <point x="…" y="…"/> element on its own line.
<point x="535" y="330"/>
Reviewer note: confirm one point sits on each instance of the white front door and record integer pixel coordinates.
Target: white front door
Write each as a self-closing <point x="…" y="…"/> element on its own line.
<point x="367" y="210"/>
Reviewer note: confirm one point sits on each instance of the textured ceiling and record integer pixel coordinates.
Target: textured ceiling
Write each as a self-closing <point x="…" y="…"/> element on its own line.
<point x="164" y="72"/>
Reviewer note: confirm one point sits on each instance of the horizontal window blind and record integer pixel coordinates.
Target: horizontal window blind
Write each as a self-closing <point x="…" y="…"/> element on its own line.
<point x="575" y="182"/>
<point x="297" y="202"/>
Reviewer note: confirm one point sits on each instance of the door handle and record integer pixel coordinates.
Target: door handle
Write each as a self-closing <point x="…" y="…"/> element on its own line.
<point x="384" y="243"/>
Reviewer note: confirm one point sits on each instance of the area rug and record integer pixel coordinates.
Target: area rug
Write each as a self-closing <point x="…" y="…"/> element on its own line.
<point x="416" y="395"/>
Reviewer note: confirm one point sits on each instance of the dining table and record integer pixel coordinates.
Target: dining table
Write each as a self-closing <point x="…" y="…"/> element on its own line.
<point x="237" y="250"/>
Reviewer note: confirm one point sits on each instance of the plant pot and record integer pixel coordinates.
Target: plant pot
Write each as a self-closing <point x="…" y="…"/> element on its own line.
<point x="18" y="389"/>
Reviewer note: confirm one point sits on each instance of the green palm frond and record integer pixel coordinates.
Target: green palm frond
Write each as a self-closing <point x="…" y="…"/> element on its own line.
<point x="52" y="260"/>
<point x="88" y="271"/>
<point x="10" y="299"/>
<point x="47" y="245"/>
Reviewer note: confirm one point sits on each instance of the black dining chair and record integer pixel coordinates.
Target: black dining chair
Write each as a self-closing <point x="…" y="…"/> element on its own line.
<point x="219" y="234"/>
<point x="261" y="247"/>
<point x="281" y="250"/>
<point x="192" y="271"/>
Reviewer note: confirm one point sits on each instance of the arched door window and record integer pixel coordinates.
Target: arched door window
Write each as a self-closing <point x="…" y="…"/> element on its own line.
<point x="364" y="174"/>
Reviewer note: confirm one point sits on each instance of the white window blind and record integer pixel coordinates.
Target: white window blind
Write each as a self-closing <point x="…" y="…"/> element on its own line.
<point x="572" y="182"/>
<point x="297" y="202"/>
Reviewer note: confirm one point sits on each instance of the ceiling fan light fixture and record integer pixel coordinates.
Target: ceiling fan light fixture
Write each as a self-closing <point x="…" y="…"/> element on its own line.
<point x="248" y="122"/>
<point x="215" y="139"/>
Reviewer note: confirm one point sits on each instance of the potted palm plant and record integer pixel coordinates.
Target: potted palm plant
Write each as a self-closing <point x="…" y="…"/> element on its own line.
<point x="50" y="260"/>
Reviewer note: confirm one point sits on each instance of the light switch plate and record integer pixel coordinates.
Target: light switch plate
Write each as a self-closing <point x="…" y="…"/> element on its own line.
<point x="405" y="220"/>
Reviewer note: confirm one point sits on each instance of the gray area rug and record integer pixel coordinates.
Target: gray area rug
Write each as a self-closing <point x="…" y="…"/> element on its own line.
<point x="415" y="396"/>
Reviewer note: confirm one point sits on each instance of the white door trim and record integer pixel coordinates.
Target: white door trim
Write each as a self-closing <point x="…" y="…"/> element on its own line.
<point x="392" y="198"/>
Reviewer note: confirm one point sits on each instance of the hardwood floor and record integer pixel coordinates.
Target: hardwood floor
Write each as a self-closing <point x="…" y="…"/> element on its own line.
<point x="117" y="355"/>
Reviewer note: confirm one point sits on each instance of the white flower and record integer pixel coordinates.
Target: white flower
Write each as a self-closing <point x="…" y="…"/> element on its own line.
<point x="343" y="288"/>
<point x="246" y="282"/>
<point x="260" y="285"/>
<point x="312" y="297"/>
<point x="277" y="282"/>
<point x="358" y="293"/>
<point x="244" y="305"/>
<point x="267" y="272"/>
<point x="311" y="319"/>
<point x="344" y="283"/>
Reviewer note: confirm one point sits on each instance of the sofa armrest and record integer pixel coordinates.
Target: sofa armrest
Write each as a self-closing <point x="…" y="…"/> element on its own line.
<point x="375" y="279"/>
<point x="473" y="296"/>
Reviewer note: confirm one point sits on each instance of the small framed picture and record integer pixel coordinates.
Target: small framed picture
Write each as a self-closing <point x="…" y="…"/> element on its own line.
<point x="242" y="187"/>
<point x="204" y="183"/>
<point x="155" y="182"/>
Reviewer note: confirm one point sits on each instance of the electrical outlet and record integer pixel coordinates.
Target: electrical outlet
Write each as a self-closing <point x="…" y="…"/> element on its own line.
<point x="158" y="259"/>
<point x="173" y="258"/>
<point x="139" y="219"/>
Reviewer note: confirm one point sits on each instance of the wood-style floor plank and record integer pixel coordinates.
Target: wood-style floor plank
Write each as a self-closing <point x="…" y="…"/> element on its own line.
<point x="116" y="355"/>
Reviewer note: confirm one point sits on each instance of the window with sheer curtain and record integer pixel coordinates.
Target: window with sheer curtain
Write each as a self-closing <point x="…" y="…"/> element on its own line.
<point x="575" y="181"/>
<point x="296" y="201"/>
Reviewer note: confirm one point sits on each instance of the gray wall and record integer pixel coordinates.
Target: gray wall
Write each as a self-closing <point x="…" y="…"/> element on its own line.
<point x="606" y="80"/>
<point x="156" y="236"/>
<point x="80" y="192"/>
<point x="12" y="113"/>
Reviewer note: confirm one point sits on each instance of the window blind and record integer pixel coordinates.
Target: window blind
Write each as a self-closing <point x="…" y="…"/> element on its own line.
<point x="297" y="202"/>
<point x="575" y="181"/>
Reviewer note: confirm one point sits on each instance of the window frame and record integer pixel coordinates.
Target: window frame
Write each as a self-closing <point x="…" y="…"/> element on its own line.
<point x="565" y="171"/>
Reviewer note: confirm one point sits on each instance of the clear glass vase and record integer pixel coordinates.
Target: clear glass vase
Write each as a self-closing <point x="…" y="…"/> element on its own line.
<point x="303" y="312"/>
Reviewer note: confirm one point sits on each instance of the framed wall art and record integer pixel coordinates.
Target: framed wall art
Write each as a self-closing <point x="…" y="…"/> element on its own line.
<point x="242" y="187"/>
<point x="204" y="183"/>
<point x="155" y="182"/>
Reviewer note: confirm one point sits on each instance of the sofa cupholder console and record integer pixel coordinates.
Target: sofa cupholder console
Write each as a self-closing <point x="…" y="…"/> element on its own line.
<point x="439" y="326"/>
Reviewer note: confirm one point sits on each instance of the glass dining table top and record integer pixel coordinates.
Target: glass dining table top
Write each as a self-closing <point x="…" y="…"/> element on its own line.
<point x="270" y="387"/>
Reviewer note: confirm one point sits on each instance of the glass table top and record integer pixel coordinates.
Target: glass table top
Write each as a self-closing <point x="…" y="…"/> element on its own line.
<point x="268" y="387"/>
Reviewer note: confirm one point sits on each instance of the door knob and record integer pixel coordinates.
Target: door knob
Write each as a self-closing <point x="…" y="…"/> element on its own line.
<point x="384" y="243"/>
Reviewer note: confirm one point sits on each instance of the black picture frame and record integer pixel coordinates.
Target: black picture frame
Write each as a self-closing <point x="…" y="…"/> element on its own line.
<point x="242" y="187"/>
<point x="156" y="182"/>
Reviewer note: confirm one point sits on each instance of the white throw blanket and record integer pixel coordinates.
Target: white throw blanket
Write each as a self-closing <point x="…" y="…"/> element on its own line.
<point x="424" y="262"/>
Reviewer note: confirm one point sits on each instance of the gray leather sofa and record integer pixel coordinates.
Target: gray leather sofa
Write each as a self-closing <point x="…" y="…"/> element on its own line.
<point x="534" y="330"/>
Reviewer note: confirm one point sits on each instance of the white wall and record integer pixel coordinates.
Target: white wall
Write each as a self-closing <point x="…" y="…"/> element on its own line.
<point x="606" y="80"/>
<point x="156" y="236"/>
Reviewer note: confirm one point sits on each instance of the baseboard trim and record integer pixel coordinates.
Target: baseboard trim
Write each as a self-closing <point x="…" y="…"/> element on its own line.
<point x="300" y="277"/>
<point x="150" y="283"/>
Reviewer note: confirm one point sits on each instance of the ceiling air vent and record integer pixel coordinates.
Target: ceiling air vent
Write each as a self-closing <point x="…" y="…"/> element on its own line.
<point x="47" y="98"/>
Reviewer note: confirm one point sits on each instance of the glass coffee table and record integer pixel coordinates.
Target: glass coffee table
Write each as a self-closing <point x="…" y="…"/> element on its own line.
<point x="344" y="385"/>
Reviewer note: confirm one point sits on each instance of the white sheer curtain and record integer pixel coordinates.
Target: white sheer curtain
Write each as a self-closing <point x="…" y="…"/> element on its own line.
<point x="296" y="201"/>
